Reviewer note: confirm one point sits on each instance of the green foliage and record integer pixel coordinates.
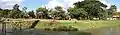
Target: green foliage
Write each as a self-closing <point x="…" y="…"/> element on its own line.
<point x="42" y="9"/>
<point x="112" y="9"/>
<point x="24" y="9"/>
<point x="5" y="13"/>
<point x="62" y="28"/>
<point x="58" y="13"/>
<point x="16" y="7"/>
<point x="58" y="8"/>
<point x="42" y="13"/>
<point x="65" y="28"/>
<point x="31" y="14"/>
<point x="47" y="29"/>
<point x="16" y="13"/>
<point x="77" y="13"/>
<point x="24" y="13"/>
<point x="88" y="9"/>
<point x="12" y="13"/>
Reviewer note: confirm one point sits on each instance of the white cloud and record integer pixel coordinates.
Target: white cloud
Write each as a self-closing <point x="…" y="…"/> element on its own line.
<point x="118" y="10"/>
<point x="65" y="3"/>
<point x="105" y="2"/>
<point x="8" y="4"/>
<point x="53" y="3"/>
<point x="109" y="4"/>
<point x="69" y="3"/>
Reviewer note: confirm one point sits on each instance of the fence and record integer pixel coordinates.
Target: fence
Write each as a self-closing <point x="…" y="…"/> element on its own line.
<point x="14" y="27"/>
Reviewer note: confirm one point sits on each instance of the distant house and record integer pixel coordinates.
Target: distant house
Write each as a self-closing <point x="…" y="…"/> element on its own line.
<point x="116" y="15"/>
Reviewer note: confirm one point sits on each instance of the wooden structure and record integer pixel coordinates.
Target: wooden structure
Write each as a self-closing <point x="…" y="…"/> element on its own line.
<point x="34" y="24"/>
<point x="6" y="22"/>
<point x="116" y="15"/>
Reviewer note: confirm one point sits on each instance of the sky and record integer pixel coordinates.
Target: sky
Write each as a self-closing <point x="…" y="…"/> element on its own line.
<point x="34" y="4"/>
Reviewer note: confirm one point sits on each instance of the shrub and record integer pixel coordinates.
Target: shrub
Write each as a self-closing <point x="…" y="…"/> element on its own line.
<point x="74" y="29"/>
<point x="62" y="28"/>
<point x="47" y="29"/>
<point x="65" y="28"/>
<point x="54" y="29"/>
<point x="51" y="23"/>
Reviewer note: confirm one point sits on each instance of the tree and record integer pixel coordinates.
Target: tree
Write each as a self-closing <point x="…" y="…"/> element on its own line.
<point x="16" y="13"/>
<point x="58" y="8"/>
<point x="94" y="8"/>
<point x="58" y="13"/>
<point x="112" y="9"/>
<point x="77" y="13"/>
<point x="16" y="7"/>
<point x="1" y="12"/>
<point x="31" y="14"/>
<point x="4" y="13"/>
<point x="1" y="9"/>
<point x="24" y="9"/>
<point x="24" y="13"/>
<point x="42" y="13"/>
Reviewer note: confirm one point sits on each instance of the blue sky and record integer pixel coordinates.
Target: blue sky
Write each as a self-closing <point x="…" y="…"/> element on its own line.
<point x="33" y="4"/>
<point x="116" y="2"/>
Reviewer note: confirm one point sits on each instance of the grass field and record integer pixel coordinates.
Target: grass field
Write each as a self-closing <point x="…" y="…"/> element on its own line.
<point x="81" y="24"/>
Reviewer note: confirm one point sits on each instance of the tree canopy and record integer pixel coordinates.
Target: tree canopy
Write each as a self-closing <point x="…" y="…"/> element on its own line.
<point x="87" y="9"/>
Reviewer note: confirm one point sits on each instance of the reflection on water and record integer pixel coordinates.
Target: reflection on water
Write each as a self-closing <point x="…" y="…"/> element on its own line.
<point x="98" y="31"/>
<point x="40" y="32"/>
<point x="105" y="31"/>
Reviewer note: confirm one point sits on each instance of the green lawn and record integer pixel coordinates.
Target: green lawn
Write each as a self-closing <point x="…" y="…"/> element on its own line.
<point x="82" y="24"/>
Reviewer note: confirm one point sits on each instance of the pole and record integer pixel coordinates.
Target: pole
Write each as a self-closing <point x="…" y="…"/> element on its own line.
<point x="3" y="28"/>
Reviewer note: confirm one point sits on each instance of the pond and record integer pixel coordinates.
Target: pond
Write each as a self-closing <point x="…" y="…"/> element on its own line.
<point x="95" y="31"/>
<point x="105" y="31"/>
<point x="98" y="31"/>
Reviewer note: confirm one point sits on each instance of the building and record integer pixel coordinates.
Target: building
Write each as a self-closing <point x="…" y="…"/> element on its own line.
<point x="116" y="15"/>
